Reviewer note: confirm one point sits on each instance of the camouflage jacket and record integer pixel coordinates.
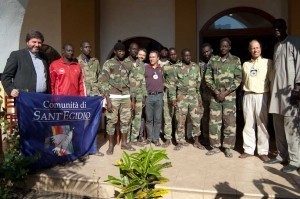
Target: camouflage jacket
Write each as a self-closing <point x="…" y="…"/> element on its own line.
<point x="226" y="75"/>
<point x="168" y="74"/>
<point x="115" y="77"/>
<point x="136" y="77"/>
<point x="91" y="72"/>
<point x="187" y="80"/>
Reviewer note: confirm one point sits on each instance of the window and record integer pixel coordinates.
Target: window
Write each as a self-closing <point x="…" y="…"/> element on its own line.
<point x="240" y="20"/>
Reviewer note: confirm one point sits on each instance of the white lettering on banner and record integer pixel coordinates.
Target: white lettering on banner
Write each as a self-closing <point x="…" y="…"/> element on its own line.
<point x="53" y="111"/>
<point x="48" y="104"/>
<point x="65" y="115"/>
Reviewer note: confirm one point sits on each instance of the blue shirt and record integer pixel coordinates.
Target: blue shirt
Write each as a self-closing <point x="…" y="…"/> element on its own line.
<point x="39" y="67"/>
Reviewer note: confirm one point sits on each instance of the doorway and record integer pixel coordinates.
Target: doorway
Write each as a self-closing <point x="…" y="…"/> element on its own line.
<point x="240" y="25"/>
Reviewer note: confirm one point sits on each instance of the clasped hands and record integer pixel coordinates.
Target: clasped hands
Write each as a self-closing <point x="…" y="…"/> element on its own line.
<point x="220" y="96"/>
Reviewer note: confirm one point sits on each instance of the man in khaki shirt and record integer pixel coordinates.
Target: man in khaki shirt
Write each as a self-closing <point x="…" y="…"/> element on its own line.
<point x="256" y="83"/>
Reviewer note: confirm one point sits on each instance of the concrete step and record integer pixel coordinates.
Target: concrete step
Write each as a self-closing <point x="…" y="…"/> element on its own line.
<point x="95" y="188"/>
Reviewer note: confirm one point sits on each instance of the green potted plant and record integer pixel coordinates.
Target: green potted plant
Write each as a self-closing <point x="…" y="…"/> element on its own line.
<point x="139" y="173"/>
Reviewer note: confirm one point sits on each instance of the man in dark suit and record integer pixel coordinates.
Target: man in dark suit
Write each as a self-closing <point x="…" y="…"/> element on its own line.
<point x="27" y="69"/>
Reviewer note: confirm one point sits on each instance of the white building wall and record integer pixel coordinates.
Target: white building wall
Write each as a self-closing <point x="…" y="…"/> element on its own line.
<point x="11" y="19"/>
<point x="44" y="16"/>
<point x="123" y="19"/>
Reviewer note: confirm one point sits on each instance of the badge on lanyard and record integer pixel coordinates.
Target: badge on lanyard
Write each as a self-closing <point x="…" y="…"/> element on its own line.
<point x="155" y="76"/>
<point x="253" y="72"/>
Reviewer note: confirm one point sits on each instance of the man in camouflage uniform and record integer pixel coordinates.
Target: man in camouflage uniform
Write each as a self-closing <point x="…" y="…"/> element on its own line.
<point x="138" y="89"/>
<point x="90" y="68"/>
<point x="188" y="99"/>
<point x="168" y="70"/>
<point x="223" y="76"/>
<point x="206" y="51"/>
<point x="91" y="71"/>
<point x="163" y="56"/>
<point x="116" y="88"/>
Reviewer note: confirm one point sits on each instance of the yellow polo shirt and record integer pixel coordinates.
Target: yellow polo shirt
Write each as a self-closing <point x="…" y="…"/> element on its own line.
<point x="256" y="75"/>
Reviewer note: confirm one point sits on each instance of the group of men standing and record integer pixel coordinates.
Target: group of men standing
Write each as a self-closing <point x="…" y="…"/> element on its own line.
<point x="168" y="87"/>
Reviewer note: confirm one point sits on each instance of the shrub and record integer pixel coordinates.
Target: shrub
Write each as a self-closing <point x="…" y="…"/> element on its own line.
<point x="139" y="173"/>
<point x="13" y="165"/>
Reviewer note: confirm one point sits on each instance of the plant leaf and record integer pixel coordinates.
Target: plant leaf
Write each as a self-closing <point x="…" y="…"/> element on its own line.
<point x="147" y="159"/>
<point x="163" y="166"/>
<point x="126" y="159"/>
<point x="141" y="195"/>
<point x="160" y="180"/>
<point x="158" y="192"/>
<point x="113" y="180"/>
<point x="131" y="188"/>
<point x="153" y="171"/>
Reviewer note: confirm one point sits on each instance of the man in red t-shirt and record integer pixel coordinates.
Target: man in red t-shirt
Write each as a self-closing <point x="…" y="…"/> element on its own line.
<point x="66" y="75"/>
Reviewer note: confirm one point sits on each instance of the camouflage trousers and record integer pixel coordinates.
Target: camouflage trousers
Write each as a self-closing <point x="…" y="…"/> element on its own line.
<point x="224" y="111"/>
<point x="187" y="104"/>
<point x="136" y="120"/>
<point x="168" y="112"/>
<point x="122" y="107"/>
<point x="204" y="120"/>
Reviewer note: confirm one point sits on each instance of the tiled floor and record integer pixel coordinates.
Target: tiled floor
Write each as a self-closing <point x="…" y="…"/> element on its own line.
<point x="193" y="175"/>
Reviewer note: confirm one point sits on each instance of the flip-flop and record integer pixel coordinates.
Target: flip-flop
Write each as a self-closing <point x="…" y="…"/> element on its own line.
<point x="98" y="153"/>
<point x="185" y="144"/>
<point x="199" y="146"/>
<point x="213" y="151"/>
<point x="178" y="147"/>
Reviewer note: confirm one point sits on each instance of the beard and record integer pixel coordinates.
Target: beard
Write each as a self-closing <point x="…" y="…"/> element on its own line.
<point x="34" y="49"/>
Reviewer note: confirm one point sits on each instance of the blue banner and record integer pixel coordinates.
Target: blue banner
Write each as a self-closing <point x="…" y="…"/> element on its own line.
<point x="59" y="128"/>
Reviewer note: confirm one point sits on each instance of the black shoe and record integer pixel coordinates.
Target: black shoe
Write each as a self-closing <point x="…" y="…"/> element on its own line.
<point x="272" y="161"/>
<point x="289" y="168"/>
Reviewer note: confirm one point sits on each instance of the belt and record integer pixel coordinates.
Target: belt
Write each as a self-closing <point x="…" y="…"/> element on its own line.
<point x="154" y="93"/>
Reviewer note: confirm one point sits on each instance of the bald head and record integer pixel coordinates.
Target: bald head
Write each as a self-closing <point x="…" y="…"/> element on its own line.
<point x="255" y="49"/>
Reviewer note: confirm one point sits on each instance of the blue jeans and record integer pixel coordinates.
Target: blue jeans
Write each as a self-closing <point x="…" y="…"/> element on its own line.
<point x="154" y="106"/>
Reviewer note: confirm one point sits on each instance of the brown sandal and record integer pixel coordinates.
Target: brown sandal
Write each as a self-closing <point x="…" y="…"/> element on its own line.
<point x="178" y="147"/>
<point x="199" y="146"/>
<point x="213" y="151"/>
